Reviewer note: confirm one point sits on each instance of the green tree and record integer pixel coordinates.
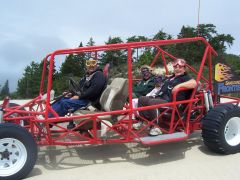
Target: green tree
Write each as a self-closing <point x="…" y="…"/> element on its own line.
<point x="134" y="38"/>
<point x="89" y="55"/>
<point x="160" y="35"/>
<point x="221" y="41"/>
<point x="137" y="39"/>
<point x="73" y="66"/>
<point x="193" y="52"/>
<point x="81" y="59"/>
<point x="114" y="57"/>
<point x="29" y="84"/>
<point x="146" y="58"/>
<point x="149" y="53"/>
<point x="234" y="61"/>
<point x="91" y="42"/>
<point x="70" y="67"/>
<point x="5" y="90"/>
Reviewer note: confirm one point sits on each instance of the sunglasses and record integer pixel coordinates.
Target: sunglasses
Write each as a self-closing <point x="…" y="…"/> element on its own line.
<point x="145" y="70"/>
<point x="179" y="63"/>
<point x="157" y="79"/>
<point x="91" y="63"/>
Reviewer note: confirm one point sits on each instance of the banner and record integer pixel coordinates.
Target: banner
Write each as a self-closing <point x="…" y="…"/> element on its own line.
<point x="226" y="80"/>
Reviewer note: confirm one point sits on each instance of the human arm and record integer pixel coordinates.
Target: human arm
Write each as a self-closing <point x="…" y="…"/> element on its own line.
<point x="190" y="84"/>
<point x="154" y="92"/>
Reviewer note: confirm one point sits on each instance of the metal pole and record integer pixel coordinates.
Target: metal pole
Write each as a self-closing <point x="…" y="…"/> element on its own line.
<point x="198" y="17"/>
<point x="1" y="115"/>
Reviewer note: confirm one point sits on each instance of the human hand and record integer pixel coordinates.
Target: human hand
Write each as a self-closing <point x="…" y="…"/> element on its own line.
<point x="175" y="88"/>
<point x="75" y="97"/>
<point x="168" y="75"/>
<point x="152" y="97"/>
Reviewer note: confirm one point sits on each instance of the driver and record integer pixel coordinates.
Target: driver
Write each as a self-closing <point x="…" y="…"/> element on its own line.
<point x="92" y="85"/>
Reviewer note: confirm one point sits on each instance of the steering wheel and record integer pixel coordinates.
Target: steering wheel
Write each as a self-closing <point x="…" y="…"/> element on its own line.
<point x="74" y="87"/>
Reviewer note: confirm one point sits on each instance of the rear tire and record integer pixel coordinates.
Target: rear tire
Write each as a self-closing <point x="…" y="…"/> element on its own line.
<point x="221" y="129"/>
<point x="18" y="151"/>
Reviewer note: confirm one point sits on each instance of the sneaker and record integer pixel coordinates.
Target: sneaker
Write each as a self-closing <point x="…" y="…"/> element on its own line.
<point x="155" y="131"/>
<point x="40" y="117"/>
<point x="71" y="125"/>
<point x="138" y="125"/>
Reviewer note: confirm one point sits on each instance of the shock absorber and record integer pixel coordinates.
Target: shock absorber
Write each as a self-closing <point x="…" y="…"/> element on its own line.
<point x="206" y="100"/>
<point x="209" y="93"/>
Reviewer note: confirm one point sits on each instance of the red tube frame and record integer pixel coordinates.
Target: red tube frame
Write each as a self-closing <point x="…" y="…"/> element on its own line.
<point x="46" y="136"/>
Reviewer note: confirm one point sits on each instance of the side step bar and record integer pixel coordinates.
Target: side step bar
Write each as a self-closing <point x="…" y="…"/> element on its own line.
<point x="163" y="138"/>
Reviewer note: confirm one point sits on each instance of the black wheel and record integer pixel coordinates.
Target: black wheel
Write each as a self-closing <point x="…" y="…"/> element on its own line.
<point x="221" y="129"/>
<point x="18" y="151"/>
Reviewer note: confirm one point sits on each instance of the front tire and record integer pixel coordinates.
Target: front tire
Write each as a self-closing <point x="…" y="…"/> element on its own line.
<point x="221" y="129"/>
<point x="18" y="151"/>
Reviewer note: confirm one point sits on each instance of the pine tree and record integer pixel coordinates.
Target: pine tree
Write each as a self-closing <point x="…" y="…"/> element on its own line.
<point x="5" y="90"/>
<point x="74" y="65"/>
<point x="193" y="52"/>
<point x="29" y="84"/>
<point x="135" y="52"/>
<point x="89" y="55"/>
<point x="114" y="57"/>
<point x="81" y="58"/>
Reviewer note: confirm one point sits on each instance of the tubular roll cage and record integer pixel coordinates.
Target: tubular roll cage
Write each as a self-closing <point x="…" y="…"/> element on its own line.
<point x="178" y="122"/>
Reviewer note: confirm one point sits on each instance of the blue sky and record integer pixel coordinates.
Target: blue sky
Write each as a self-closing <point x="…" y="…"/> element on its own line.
<point x="31" y="29"/>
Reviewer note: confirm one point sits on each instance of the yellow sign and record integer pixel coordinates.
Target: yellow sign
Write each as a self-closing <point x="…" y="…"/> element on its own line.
<point x="226" y="80"/>
<point x="222" y="72"/>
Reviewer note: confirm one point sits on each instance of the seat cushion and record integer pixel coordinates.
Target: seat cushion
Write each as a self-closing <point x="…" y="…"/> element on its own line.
<point x="83" y="112"/>
<point x="115" y="95"/>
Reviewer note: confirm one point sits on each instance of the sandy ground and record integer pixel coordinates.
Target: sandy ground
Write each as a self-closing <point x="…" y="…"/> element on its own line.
<point x="183" y="160"/>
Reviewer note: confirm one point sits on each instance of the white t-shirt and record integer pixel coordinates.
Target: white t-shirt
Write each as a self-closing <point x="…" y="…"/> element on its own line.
<point x="154" y="92"/>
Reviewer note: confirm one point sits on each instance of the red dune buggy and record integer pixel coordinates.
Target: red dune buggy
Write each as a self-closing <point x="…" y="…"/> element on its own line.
<point x="25" y="126"/>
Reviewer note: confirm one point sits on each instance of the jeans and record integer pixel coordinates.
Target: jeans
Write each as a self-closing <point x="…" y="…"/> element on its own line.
<point x="63" y="105"/>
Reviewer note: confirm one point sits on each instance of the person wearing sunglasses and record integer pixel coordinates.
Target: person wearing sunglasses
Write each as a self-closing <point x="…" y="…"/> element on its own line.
<point x="92" y="85"/>
<point x="146" y="84"/>
<point x="179" y="79"/>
